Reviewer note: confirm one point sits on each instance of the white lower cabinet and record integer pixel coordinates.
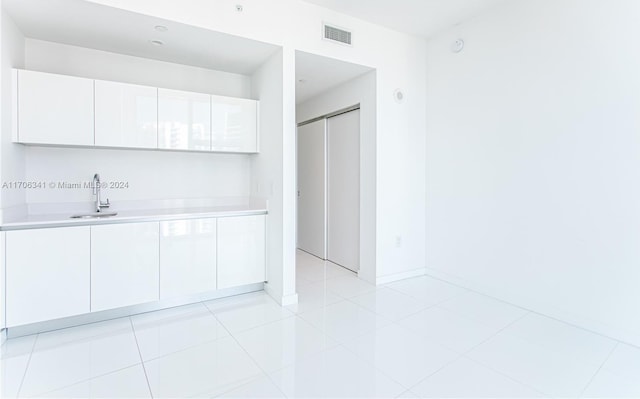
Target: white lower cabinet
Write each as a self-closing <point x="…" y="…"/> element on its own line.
<point x="124" y="265"/>
<point x="47" y="274"/>
<point x="241" y="250"/>
<point x="187" y="257"/>
<point x="53" y="273"/>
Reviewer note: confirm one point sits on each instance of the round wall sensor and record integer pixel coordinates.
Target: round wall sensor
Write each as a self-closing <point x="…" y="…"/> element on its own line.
<point x="398" y="96"/>
<point x="457" y="46"/>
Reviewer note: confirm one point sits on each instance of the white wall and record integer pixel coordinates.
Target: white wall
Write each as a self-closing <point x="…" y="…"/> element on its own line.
<point x="533" y="173"/>
<point x="152" y="175"/>
<point x="12" y="155"/>
<point x="267" y="171"/>
<point x="361" y="90"/>
<point x="96" y="64"/>
<point x="400" y="62"/>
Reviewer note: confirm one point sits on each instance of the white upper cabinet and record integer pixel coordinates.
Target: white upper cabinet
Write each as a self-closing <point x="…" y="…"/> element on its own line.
<point x="126" y="115"/>
<point x="54" y="109"/>
<point x="187" y="257"/>
<point x="47" y="274"/>
<point x="234" y="124"/>
<point x="184" y="120"/>
<point x="124" y="265"/>
<point x="241" y="250"/>
<point x="67" y="110"/>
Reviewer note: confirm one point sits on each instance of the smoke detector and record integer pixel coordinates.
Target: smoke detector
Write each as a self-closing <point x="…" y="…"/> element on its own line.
<point x="457" y="46"/>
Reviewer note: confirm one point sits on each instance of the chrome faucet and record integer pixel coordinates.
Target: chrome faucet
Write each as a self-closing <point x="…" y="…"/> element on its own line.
<point x="96" y="192"/>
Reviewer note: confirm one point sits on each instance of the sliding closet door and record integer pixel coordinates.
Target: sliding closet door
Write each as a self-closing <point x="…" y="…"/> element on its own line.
<point x="312" y="188"/>
<point x="343" y="244"/>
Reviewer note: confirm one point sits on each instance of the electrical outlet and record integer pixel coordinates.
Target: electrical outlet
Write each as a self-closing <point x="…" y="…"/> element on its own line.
<point x="398" y="241"/>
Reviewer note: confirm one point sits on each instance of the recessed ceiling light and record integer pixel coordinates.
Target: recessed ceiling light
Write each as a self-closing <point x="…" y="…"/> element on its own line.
<point x="161" y="28"/>
<point x="157" y="42"/>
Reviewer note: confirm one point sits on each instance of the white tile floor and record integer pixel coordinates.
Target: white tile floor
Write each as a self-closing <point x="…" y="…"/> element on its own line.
<point x="415" y="338"/>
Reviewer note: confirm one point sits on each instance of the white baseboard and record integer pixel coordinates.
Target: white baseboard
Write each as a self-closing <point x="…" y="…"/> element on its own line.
<point x="535" y="306"/>
<point x="289" y="300"/>
<point x="72" y="321"/>
<point x="283" y="300"/>
<point x="390" y="278"/>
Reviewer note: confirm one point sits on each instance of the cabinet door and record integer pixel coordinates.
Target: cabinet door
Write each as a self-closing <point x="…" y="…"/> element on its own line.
<point x="54" y="109"/>
<point x="241" y="250"/>
<point x="47" y="274"/>
<point x="184" y="120"/>
<point x="126" y="115"/>
<point x="187" y="257"/>
<point x="234" y="124"/>
<point x="124" y="265"/>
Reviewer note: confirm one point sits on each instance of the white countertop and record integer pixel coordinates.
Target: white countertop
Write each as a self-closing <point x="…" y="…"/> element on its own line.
<point x="37" y="221"/>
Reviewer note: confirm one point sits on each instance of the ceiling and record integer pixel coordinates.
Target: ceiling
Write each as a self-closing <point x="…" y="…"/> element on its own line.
<point x="316" y="74"/>
<point x="417" y="17"/>
<point x="91" y="25"/>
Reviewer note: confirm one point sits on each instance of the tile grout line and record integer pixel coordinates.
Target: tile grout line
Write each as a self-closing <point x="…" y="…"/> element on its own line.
<point x="292" y="314"/>
<point x="408" y="391"/>
<point x="250" y="357"/>
<point x="350" y="300"/>
<point x="465" y="355"/>
<point x="390" y="377"/>
<point x="87" y="379"/>
<point x="144" y="369"/>
<point x="434" y="304"/>
<point x="496" y="333"/>
<point x="360" y="307"/>
<point x="462" y="355"/>
<point x="385" y="317"/>
<point x="311" y="355"/>
<point x="155" y="357"/>
<point x="392" y="322"/>
<point x="387" y="285"/>
<point x="24" y="375"/>
<point x="259" y="326"/>
<point x="529" y="310"/>
<point x="543" y="394"/>
<point x="593" y="377"/>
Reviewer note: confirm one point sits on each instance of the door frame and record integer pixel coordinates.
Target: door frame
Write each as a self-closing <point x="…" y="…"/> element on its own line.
<point x="345" y="110"/>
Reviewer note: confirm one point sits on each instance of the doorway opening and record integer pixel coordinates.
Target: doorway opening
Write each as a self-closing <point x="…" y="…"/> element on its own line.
<point x="335" y="166"/>
<point x="328" y="168"/>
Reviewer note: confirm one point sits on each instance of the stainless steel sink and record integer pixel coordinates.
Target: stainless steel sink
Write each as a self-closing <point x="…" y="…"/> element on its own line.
<point x="93" y="215"/>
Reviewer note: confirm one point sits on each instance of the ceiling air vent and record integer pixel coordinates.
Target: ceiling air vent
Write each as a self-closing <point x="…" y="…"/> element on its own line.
<point x="336" y="34"/>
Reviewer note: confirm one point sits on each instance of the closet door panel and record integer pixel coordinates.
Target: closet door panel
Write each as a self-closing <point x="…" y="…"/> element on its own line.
<point x="343" y="142"/>
<point x="312" y="188"/>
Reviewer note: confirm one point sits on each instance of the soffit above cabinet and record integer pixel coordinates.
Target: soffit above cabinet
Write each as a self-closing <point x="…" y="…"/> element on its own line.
<point x="90" y="25"/>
